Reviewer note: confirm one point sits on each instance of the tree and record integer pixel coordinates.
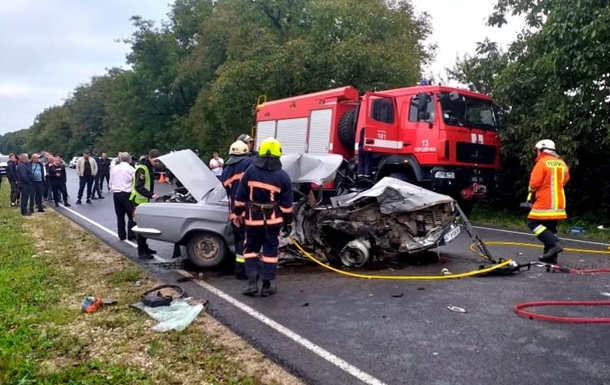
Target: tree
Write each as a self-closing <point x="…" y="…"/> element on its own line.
<point x="554" y="81"/>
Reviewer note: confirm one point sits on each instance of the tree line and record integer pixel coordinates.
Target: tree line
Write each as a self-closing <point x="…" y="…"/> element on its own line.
<point x="194" y="79"/>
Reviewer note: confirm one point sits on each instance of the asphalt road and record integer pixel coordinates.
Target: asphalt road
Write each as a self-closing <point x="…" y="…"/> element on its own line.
<point x="329" y="329"/>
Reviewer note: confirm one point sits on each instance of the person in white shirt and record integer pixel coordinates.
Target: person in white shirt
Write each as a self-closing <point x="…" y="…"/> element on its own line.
<point x="216" y="165"/>
<point x="121" y="184"/>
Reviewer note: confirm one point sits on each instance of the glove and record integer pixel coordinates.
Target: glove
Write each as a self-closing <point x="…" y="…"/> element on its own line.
<point x="286" y="230"/>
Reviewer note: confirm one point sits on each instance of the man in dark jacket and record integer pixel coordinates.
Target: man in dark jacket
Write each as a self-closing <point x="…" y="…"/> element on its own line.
<point x="96" y="181"/>
<point x="105" y="171"/>
<point x="234" y="169"/>
<point x="11" y="175"/>
<point x="57" y="180"/>
<point x="26" y="182"/>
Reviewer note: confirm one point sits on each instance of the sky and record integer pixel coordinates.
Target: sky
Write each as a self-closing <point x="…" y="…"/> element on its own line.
<point x="48" y="47"/>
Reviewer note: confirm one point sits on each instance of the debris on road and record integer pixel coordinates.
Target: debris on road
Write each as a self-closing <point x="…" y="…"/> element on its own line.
<point x="398" y="295"/>
<point x="91" y="304"/>
<point x="179" y="314"/>
<point x="446" y="272"/>
<point x="457" y="309"/>
<point x="306" y="304"/>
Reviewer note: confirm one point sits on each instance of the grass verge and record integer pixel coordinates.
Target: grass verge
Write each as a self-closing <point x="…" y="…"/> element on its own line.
<point x="484" y="215"/>
<point x="47" y="265"/>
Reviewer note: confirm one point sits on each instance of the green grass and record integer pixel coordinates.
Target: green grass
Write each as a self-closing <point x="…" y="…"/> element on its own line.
<point x="484" y="215"/>
<point x="46" y="267"/>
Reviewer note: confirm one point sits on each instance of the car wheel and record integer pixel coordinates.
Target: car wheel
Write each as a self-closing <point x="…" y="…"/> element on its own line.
<point x="206" y="250"/>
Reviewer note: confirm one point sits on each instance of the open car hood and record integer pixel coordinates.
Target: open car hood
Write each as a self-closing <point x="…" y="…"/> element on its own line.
<point x="394" y="196"/>
<point x="305" y="168"/>
<point x="199" y="179"/>
<point x="192" y="172"/>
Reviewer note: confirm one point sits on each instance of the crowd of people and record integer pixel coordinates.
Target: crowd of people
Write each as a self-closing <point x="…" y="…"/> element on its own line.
<point x="41" y="177"/>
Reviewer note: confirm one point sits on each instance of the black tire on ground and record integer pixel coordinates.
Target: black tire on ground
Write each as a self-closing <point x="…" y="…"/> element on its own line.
<point x="206" y="250"/>
<point x="347" y="129"/>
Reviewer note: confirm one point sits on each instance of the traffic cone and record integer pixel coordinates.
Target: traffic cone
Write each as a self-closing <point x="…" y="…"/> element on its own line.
<point x="162" y="178"/>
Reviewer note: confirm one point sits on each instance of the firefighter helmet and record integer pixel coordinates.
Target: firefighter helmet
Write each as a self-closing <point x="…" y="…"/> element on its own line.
<point x="238" y="148"/>
<point x="270" y="147"/>
<point x="545" y="144"/>
<point x="245" y="138"/>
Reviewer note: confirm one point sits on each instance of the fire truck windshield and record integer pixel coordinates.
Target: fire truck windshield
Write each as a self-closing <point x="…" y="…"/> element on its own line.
<point x="465" y="111"/>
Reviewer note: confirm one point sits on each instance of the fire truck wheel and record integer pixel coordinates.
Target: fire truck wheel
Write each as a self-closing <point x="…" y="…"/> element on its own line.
<point x="401" y="176"/>
<point x="347" y="129"/>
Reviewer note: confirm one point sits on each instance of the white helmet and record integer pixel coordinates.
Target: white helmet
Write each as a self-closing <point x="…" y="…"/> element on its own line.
<point x="238" y="148"/>
<point x="545" y="144"/>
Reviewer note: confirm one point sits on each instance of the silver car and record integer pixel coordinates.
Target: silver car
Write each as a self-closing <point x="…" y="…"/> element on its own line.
<point x="358" y="226"/>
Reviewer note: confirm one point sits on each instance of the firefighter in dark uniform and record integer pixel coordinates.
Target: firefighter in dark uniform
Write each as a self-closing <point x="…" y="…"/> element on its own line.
<point x="234" y="170"/>
<point x="265" y="195"/>
<point x="250" y="142"/>
<point x="143" y="192"/>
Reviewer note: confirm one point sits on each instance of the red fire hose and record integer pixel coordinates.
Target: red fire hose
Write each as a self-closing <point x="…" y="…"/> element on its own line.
<point x="519" y="310"/>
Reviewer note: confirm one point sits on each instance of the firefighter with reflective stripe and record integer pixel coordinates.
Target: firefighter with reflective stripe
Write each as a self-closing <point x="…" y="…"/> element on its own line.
<point x="143" y="192"/>
<point x="265" y="196"/>
<point x="234" y="170"/>
<point x="549" y="176"/>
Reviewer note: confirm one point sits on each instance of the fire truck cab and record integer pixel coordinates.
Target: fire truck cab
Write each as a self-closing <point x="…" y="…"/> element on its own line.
<point x="441" y="138"/>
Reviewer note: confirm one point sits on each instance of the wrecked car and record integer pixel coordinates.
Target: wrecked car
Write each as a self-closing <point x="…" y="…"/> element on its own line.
<point x="358" y="226"/>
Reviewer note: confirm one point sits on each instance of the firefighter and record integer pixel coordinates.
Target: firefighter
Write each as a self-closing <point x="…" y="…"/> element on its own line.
<point x="143" y="192"/>
<point x="265" y="195"/>
<point x="250" y="142"/>
<point x="549" y="176"/>
<point x="234" y="169"/>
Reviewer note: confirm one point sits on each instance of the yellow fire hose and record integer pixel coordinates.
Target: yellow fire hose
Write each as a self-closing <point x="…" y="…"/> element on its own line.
<point x="471" y="273"/>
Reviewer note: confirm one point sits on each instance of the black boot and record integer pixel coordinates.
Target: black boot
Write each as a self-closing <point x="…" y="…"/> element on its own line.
<point x="551" y="246"/>
<point x="252" y="288"/>
<point x="268" y="288"/>
<point x="240" y="271"/>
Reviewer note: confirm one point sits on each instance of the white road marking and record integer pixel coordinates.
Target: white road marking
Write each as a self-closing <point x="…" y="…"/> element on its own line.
<point x="317" y="350"/>
<point x="107" y="230"/>
<point x="532" y="235"/>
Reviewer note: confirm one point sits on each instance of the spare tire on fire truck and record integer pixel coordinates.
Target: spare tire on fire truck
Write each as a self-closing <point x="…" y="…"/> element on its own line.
<point x="347" y="129"/>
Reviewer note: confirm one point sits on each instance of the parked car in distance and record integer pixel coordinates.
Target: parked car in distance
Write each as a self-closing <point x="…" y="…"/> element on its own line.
<point x="3" y="164"/>
<point x="72" y="163"/>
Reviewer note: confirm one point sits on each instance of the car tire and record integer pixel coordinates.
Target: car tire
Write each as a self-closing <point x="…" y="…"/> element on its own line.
<point x="206" y="250"/>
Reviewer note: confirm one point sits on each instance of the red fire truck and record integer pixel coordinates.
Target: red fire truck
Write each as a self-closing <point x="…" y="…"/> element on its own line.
<point x="438" y="137"/>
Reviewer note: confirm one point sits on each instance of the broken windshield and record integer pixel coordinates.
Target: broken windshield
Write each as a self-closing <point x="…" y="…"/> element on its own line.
<point x="465" y="111"/>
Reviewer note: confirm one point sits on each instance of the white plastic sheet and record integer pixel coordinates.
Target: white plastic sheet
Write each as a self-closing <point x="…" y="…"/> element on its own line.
<point x="177" y="316"/>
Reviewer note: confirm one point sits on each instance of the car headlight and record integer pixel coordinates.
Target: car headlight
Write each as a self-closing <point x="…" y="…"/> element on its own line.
<point x="444" y="175"/>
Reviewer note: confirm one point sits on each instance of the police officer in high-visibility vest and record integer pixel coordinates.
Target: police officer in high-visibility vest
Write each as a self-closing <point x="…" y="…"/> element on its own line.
<point x="143" y="192"/>
<point x="547" y="179"/>
<point x="234" y="170"/>
<point x="265" y="195"/>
